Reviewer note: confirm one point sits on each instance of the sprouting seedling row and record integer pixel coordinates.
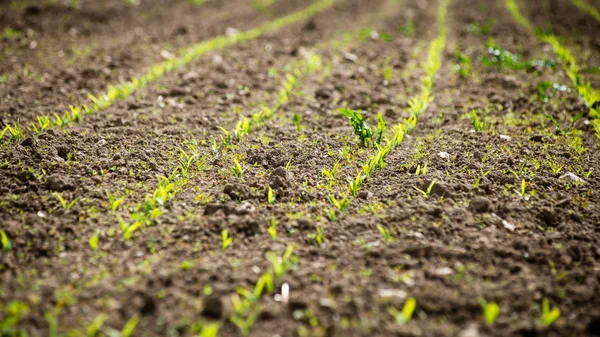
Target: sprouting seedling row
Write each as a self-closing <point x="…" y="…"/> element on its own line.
<point x="417" y="105"/>
<point x="589" y="95"/>
<point x="587" y="8"/>
<point x="123" y="90"/>
<point x="307" y="65"/>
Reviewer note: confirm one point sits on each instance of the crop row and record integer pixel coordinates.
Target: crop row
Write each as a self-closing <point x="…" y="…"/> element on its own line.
<point x="589" y="95"/>
<point x="123" y="90"/>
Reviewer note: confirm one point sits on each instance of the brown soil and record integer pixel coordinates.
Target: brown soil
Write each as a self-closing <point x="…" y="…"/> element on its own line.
<point x="474" y="237"/>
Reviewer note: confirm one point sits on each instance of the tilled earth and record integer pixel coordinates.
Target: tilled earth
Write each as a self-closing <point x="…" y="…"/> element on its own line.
<point x="475" y="236"/>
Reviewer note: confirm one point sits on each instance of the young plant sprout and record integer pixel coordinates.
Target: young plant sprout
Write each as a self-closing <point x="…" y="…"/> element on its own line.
<point x="403" y="317"/>
<point x="426" y="193"/>
<point x="63" y="202"/>
<point x="6" y="244"/>
<point x="478" y="124"/>
<point x="226" y="240"/>
<point x="490" y="310"/>
<point x="361" y="128"/>
<point x="385" y="233"/>
<point x="270" y="196"/>
<point x="549" y="316"/>
<point x="272" y="230"/>
<point x="237" y="169"/>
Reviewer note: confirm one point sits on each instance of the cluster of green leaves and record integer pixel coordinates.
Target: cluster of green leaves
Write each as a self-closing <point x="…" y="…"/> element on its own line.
<point x="123" y="90"/>
<point x="479" y="124"/>
<point x="14" y="131"/>
<point x="246" y="303"/>
<point x="463" y="65"/>
<point x="361" y="128"/>
<point x="504" y="59"/>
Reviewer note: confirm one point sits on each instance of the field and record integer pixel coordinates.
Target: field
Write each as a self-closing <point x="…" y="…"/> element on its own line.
<point x="299" y="168"/>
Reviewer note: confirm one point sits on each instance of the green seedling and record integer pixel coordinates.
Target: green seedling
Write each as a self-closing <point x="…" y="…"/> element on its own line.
<point x="555" y="168"/>
<point x="331" y="174"/>
<point x="463" y="65"/>
<point x="422" y="171"/>
<point x="96" y="325"/>
<point x="6" y="244"/>
<point x="381" y="127"/>
<point x="237" y="169"/>
<point x="385" y="233"/>
<point x="403" y="317"/>
<point x="14" y="131"/>
<point x="225" y="137"/>
<point x="523" y="193"/>
<point x="357" y="120"/>
<point x="426" y="193"/>
<point x="63" y="202"/>
<point x="297" y="119"/>
<point x="331" y="214"/>
<point x="9" y="33"/>
<point x="282" y="264"/>
<point x="130" y="326"/>
<point x="490" y="310"/>
<point x="342" y="204"/>
<point x="114" y="201"/>
<point x="318" y="236"/>
<point x="356" y="183"/>
<point x="44" y="123"/>
<point x="549" y="316"/>
<point x="226" y="240"/>
<point x="479" y="124"/>
<point x="272" y="229"/>
<point x="242" y="128"/>
<point x="185" y="162"/>
<point x="207" y="329"/>
<point x="270" y="196"/>
<point x="387" y="74"/>
<point x="94" y="242"/>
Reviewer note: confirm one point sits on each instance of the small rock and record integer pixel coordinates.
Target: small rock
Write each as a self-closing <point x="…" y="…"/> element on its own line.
<point x="237" y="191"/>
<point x="62" y="151"/>
<point x="536" y="138"/>
<point x="571" y="176"/>
<point x="59" y="183"/>
<point x="444" y="271"/>
<point x="101" y="142"/>
<point x="479" y="205"/>
<point x="549" y="216"/>
<point x="506" y="138"/>
<point x="508" y="225"/>
<point x="245" y="208"/>
<point x="212" y="307"/>
<point x="444" y="155"/>
<point x="471" y="331"/>
<point x="350" y="57"/>
<point x="323" y="93"/>
<point x="27" y="142"/>
<point x="387" y="293"/>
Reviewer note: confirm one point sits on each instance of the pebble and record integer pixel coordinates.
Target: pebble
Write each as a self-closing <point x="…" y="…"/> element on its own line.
<point x="444" y="155"/>
<point x="506" y="138"/>
<point x="571" y="176"/>
<point x="479" y="205"/>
